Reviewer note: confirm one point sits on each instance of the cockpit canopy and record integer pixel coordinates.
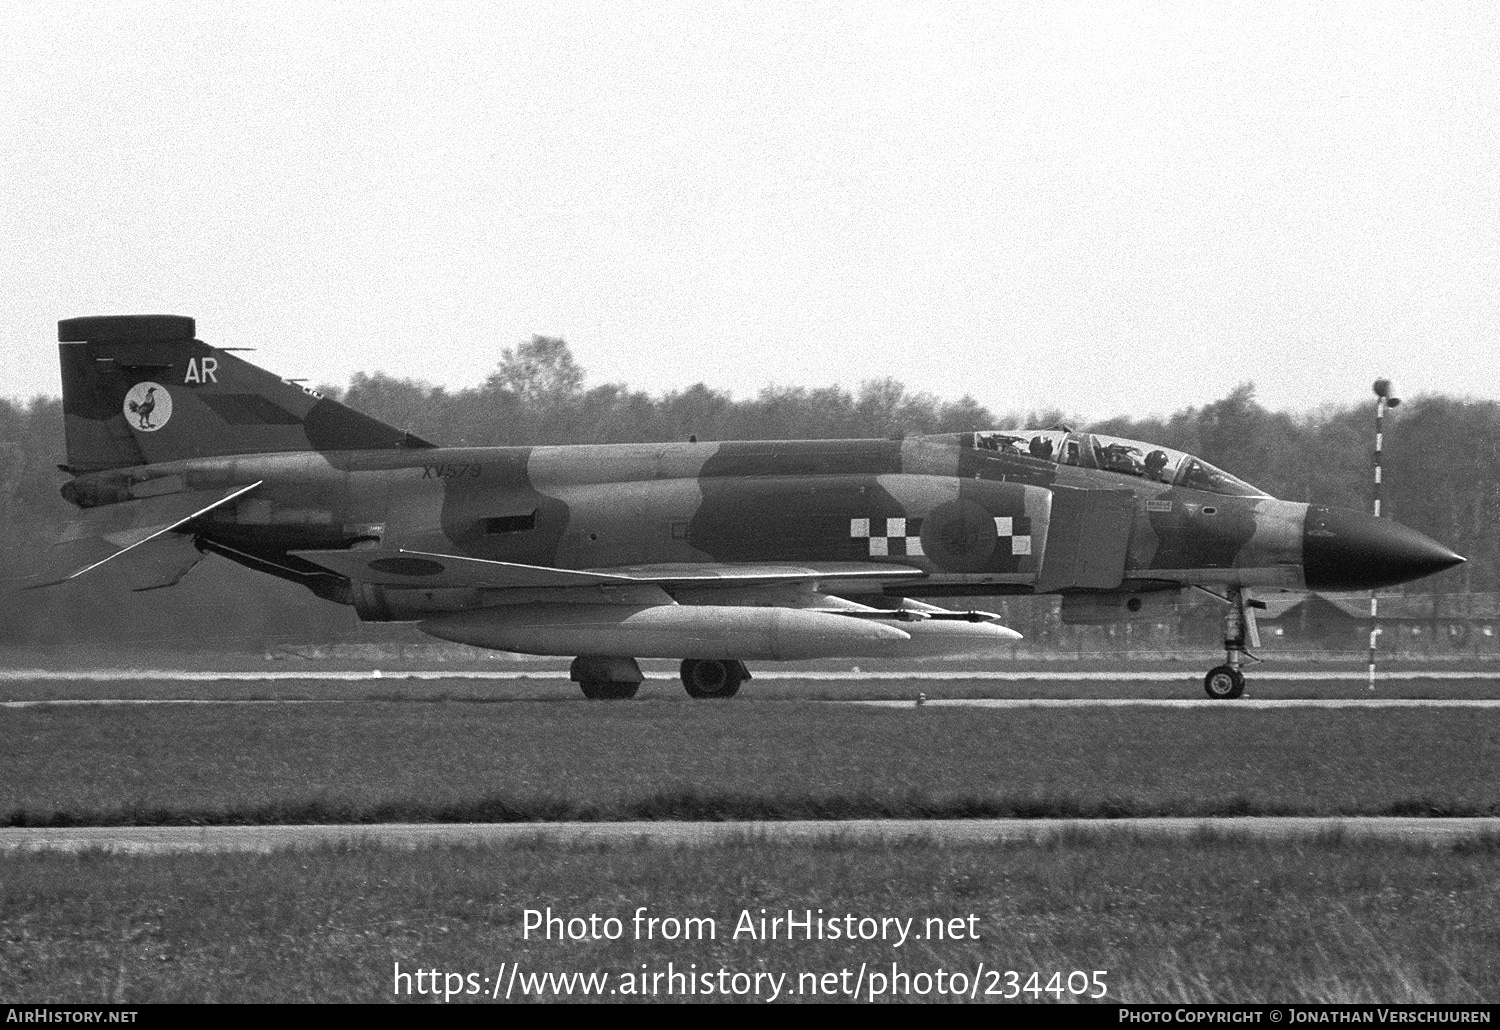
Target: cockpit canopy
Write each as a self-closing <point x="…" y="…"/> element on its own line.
<point x="1112" y="454"/>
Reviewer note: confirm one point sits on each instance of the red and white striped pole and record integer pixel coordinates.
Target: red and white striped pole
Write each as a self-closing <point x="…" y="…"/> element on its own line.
<point x="1384" y="398"/>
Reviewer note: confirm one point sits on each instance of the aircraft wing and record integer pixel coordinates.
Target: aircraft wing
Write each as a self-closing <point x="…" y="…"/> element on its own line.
<point x="401" y="567"/>
<point x="105" y="533"/>
<point x="396" y="567"/>
<point x="759" y="574"/>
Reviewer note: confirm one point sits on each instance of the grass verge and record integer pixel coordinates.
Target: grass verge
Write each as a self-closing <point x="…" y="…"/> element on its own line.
<point x="1208" y="920"/>
<point x="539" y="761"/>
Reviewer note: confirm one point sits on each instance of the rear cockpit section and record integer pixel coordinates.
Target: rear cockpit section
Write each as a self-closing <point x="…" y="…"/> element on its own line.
<point x="1113" y="454"/>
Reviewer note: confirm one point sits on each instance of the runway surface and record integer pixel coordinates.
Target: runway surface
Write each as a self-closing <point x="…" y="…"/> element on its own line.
<point x="1204" y="702"/>
<point x="263" y="839"/>
<point x="1238" y="704"/>
<point x="561" y="676"/>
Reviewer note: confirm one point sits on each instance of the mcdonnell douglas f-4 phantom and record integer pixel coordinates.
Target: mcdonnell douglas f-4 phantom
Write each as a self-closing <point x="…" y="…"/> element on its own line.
<point x="712" y="553"/>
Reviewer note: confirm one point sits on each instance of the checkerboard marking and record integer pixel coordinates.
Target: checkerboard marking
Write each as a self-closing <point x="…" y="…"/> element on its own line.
<point x="1018" y="530"/>
<point x="889" y="536"/>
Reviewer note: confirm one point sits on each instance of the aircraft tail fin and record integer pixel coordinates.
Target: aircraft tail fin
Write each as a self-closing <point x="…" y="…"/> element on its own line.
<point x="140" y="389"/>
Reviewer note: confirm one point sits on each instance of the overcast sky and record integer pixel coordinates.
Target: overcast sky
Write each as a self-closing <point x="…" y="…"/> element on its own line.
<point x="1104" y="208"/>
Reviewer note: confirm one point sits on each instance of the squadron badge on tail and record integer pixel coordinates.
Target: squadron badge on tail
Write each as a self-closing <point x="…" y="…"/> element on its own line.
<point x="148" y="406"/>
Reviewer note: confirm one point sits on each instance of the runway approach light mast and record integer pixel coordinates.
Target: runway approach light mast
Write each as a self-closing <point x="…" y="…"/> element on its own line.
<point x="1384" y="398"/>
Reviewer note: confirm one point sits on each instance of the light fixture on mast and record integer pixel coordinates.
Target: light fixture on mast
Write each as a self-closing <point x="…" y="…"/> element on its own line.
<point x="1384" y="398"/>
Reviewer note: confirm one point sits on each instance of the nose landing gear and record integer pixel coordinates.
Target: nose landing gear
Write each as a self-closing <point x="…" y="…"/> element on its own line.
<point x="1226" y="682"/>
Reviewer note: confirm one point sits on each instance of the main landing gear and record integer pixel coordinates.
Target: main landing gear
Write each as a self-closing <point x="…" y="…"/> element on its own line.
<point x="712" y="677"/>
<point x="1226" y="682"/>
<point x="607" y="679"/>
<point x="618" y="679"/>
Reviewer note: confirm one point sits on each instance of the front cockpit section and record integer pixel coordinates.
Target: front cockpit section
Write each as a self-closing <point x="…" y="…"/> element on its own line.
<point x="1113" y="454"/>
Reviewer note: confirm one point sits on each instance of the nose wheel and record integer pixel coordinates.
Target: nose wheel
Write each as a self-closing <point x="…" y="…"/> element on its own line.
<point x="1224" y="683"/>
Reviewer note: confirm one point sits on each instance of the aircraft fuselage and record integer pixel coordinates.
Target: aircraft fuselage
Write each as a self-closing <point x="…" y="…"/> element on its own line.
<point x="708" y="552"/>
<point x="974" y="521"/>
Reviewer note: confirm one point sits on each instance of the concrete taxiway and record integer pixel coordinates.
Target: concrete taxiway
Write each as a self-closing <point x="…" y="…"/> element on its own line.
<point x="264" y="839"/>
<point x="1184" y="702"/>
<point x="1204" y="703"/>
<point x="819" y="675"/>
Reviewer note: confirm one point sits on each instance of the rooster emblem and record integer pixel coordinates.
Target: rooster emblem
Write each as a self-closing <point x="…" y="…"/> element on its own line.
<point x="143" y="410"/>
<point x="148" y="406"/>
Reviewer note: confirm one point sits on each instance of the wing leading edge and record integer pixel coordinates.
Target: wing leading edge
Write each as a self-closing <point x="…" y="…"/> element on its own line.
<point x="401" y="567"/>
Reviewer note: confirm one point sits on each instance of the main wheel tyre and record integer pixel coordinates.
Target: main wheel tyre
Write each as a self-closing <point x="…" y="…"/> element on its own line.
<point x="711" y="678"/>
<point x="608" y="690"/>
<point x="1224" y="683"/>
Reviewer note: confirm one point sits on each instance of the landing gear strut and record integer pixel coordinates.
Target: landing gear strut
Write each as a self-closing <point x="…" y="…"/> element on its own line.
<point x="1226" y="682"/>
<point x="607" y="679"/>
<point x="713" y="678"/>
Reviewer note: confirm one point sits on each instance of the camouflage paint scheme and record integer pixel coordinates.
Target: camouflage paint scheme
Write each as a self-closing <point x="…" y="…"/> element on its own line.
<point x="365" y="514"/>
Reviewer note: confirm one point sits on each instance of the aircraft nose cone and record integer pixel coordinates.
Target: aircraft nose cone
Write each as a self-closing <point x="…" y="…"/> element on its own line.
<point x="1349" y="550"/>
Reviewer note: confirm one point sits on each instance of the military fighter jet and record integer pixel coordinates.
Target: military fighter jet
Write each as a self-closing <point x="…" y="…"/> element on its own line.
<point x="713" y="553"/>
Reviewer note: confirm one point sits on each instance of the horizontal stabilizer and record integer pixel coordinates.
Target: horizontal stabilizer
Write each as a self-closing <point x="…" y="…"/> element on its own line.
<point x="103" y="534"/>
<point x="163" y="563"/>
